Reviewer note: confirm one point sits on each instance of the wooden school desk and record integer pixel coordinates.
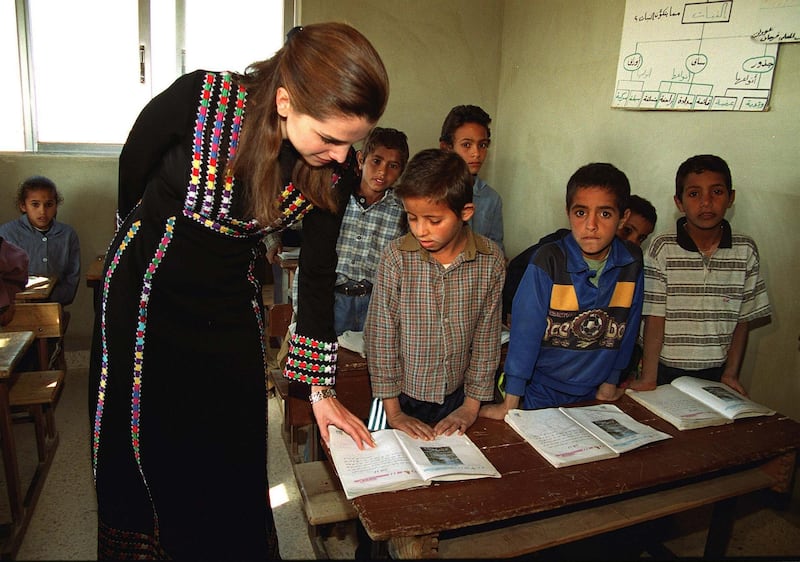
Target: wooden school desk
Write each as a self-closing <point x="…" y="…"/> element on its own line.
<point x="536" y="506"/>
<point x="13" y="346"/>
<point x="37" y="292"/>
<point x="352" y="389"/>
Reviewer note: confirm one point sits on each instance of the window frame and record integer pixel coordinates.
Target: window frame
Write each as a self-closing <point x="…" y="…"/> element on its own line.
<point x="291" y="15"/>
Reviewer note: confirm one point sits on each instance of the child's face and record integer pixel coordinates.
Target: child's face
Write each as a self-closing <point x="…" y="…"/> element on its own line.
<point x="594" y="220"/>
<point x="635" y="229"/>
<point x="437" y="227"/>
<point x="704" y="200"/>
<point x="471" y="142"/>
<point x="41" y="207"/>
<point x="379" y="169"/>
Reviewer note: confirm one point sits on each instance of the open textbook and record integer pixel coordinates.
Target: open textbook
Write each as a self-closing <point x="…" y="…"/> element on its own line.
<point x="567" y="436"/>
<point x="689" y="403"/>
<point x="398" y="461"/>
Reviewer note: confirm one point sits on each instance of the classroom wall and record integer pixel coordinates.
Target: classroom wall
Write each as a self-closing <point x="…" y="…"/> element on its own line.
<point x="438" y="53"/>
<point x="557" y="75"/>
<point x="545" y="71"/>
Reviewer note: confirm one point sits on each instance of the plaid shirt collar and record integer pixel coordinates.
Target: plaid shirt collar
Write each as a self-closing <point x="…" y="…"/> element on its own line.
<point x="475" y="245"/>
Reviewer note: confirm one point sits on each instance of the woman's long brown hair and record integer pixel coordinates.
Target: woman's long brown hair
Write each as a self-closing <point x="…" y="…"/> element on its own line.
<point x="329" y="70"/>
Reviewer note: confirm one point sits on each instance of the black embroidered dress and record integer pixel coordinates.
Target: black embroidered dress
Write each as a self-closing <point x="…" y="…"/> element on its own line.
<point x="177" y="390"/>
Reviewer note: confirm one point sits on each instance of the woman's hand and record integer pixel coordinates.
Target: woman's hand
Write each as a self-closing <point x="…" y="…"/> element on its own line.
<point x="329" y="411"/>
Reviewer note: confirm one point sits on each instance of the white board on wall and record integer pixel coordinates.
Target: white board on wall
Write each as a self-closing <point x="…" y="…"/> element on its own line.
<point x="693" y="56"/>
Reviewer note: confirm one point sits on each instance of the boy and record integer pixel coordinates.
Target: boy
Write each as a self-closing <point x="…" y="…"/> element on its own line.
<point x="637" y="227"/>
<point x="465" y="131"/>
<point x="372" y="217"/>
<point x="433" y="327"/>
<point x="703" y="285"/>
<point x="577" y="309"/>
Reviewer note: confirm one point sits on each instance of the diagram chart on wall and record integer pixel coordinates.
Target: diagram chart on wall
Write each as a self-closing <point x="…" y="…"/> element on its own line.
<point x="693" y="56"/>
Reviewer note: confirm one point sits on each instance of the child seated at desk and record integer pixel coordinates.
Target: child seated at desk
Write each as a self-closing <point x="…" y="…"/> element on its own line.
<point x="52" y="246"/>
<point x="577" y="308"/>
<point x="432" y="332"/>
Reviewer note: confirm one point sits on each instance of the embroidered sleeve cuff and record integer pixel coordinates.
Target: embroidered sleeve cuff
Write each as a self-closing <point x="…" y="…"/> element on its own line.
<point x="311" y="361"/>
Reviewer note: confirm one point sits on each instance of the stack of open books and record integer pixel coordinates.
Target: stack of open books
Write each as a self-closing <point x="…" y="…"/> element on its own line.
<point x="568" y="436"/>
<point x="689" y="403"/>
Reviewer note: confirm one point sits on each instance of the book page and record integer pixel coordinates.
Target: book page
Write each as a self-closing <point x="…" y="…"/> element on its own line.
<point x="721" y="397"/>
<point x="614" y="427"/>
<point x="677" y="407"/>
<point x="381" y="468"/>
<point x="557" y="437"/>
<point x="36" y="281"/>
<point x="453" y="457"/>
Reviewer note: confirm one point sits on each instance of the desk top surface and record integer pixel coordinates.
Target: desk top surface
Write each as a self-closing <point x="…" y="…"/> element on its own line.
<point x="12" y="346"/>
<point x="530" y="485"/>
<point x="38" y="291"/>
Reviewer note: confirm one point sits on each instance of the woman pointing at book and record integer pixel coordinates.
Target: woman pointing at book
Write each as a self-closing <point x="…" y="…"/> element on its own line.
<point x="212" y="165"/>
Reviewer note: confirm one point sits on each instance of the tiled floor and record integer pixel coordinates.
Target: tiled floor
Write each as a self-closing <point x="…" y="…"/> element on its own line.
<point x="64" y="524"/>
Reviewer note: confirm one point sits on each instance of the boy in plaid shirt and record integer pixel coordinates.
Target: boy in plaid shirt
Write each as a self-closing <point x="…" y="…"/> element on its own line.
<point x="433" y="328"/>
<point x="372" y="218"/>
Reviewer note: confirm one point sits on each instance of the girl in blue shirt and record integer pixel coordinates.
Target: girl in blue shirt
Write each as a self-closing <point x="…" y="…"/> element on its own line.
<point x="52" y="247"/>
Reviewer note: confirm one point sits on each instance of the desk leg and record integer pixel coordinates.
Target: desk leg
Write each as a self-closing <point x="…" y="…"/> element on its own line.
<point x="425" y="546"/>
<point x="719" y="531"/>
<point x="10" y="455"/>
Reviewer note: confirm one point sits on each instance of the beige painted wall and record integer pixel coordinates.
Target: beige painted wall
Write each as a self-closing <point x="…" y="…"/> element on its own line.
<point x="438" y="53"/>
<point x="558" y="68"/>
<point x="545" y="71"/>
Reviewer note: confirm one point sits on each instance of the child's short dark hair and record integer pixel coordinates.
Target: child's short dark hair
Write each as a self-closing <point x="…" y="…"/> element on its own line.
<point x="643" y="207"/>
<point x="37" y="182"/>
<point x="699" y="164"/>
<point x="603" y="175"/>
<point x="387" y="138"/>
<point x="461" y="114"/>
<point x="438" y="175"/>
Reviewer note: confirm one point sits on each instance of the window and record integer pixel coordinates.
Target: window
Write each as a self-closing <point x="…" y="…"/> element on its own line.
<point x="82" y="70"/>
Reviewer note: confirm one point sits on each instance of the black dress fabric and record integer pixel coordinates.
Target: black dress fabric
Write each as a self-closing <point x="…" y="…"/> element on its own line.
<point x="177" y="392"/>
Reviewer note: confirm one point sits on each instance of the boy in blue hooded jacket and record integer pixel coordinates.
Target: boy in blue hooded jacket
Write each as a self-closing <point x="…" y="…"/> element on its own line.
<point x="577" y="308"/>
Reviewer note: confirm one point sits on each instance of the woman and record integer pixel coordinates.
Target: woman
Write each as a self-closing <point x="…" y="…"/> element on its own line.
<point x="211" y="166"/>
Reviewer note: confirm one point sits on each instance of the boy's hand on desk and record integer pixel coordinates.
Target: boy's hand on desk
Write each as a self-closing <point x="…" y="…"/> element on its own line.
<point x="411" y="425"/>
<point x="609" y="392"/>
<point x="642" y="384"/>
<point x="493" y="411"/>
<point x="459" y="420"/>
<point x="733" y="382"/>
<point x="273" y="252"/>
<point x="331" y="411"/>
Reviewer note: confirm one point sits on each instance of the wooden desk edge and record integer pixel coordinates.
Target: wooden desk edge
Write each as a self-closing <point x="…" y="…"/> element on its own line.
<point x="549" y="531"/>
<point x="24" y="339"/>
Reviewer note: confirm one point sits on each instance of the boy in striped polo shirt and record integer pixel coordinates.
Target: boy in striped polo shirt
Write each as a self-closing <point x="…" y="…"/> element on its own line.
<point x="702" y="285"/>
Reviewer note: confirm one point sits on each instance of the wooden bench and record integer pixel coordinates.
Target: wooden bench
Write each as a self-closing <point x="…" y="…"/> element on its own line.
<point x="37" y="392"/>
<point x="324" y="502"/>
